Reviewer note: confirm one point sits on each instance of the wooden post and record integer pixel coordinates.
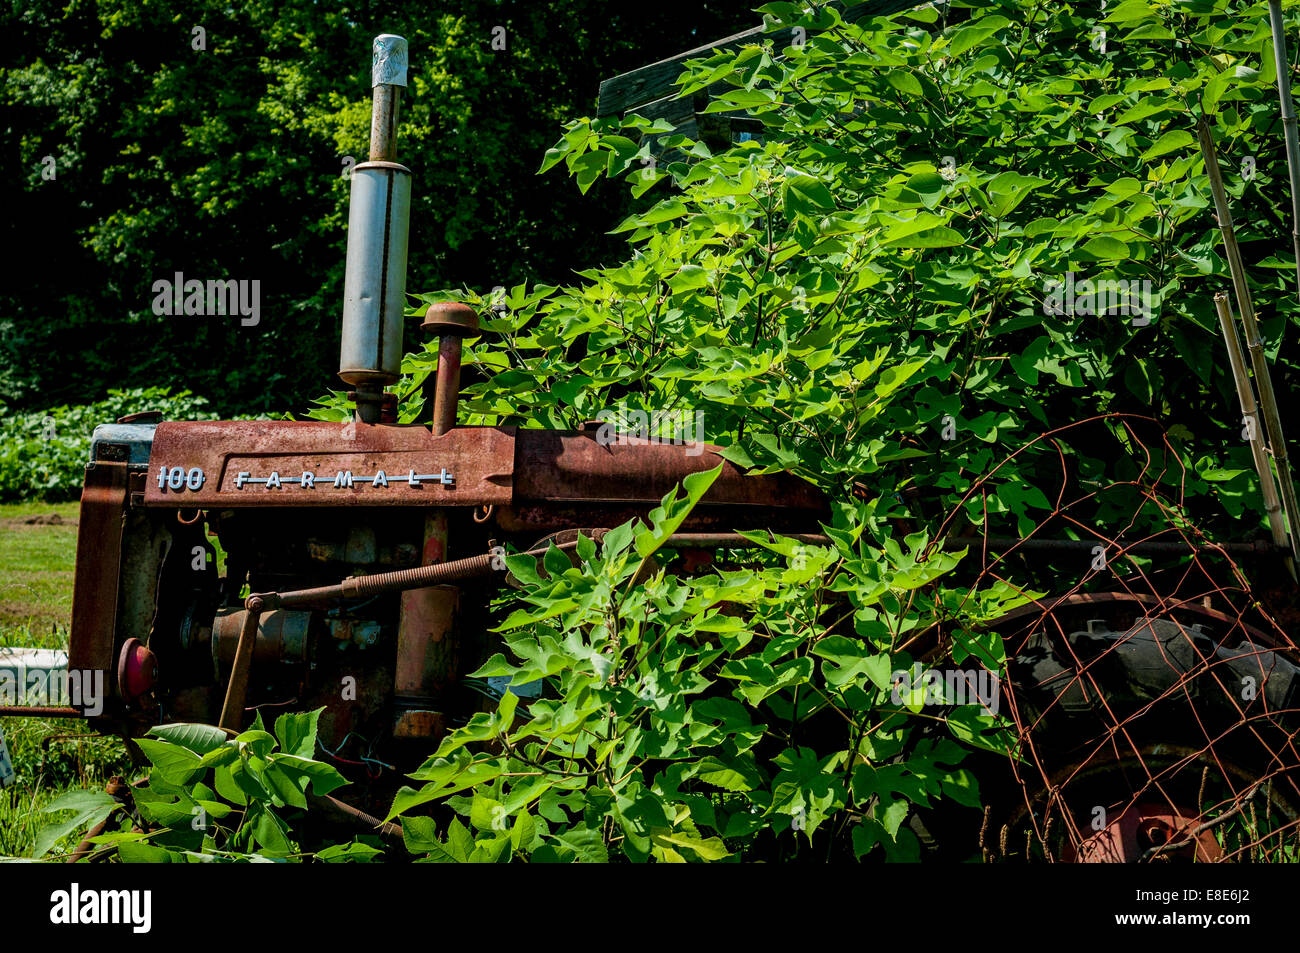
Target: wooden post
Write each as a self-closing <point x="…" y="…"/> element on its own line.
<point x="1250" y="417"/>
<point x="1259" y="363"/>
<point x="1288" y="125"/>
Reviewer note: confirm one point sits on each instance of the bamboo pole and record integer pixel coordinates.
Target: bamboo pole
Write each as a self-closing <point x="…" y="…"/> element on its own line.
<point x="1250" y="418"/>
<point x="1254" y="344"/>
<point x="1288" y="125"/>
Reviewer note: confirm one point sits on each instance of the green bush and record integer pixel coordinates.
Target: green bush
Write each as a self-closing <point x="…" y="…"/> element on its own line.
<point x="43" y="454"/>
<point x="866" y="296"/>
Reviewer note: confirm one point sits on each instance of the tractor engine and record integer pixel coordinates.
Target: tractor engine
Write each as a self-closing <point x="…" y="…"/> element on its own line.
<point x="228" y="568"/>
<point x="183" y="523"/>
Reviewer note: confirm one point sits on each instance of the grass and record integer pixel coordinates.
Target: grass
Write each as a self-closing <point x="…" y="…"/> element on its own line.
<point x="37" y="557"/>
<point x="51" y="758"/>
<point x="37" y="554"/>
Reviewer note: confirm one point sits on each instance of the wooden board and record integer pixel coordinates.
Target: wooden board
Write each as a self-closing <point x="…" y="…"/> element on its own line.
<point x="648" y="84"/>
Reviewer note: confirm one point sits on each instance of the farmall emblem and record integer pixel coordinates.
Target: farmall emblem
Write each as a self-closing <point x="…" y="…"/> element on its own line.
<point x="343" y="479"/>
<point x="178" y="478"/>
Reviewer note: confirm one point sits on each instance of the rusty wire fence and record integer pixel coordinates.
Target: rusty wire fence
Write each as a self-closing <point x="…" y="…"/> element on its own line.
<point x="1153" y="694"/>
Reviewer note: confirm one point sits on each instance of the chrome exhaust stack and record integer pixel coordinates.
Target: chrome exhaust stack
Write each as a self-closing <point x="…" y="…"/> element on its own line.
<point x="374" y="292"/>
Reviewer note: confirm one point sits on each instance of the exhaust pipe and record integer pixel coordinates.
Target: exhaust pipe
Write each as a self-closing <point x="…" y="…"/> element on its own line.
<point x="374" y="291"/>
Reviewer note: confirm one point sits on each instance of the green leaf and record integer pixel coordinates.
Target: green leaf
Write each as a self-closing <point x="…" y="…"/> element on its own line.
<point x="88" y="807"/>
<point x="976" y="33"/>
<point x="297" y="733"/>
<point x="224" y="780"/>
<point x="665" y="211"/>
<point x="141" y="853"/>
<point x="586" y="844"/>
<point x="740" y="775"/>
<point x="1170" y="142"/>
<point x="905" y="82"/>
<point x="271" y="833"/>
<point x="1007" y="190"/>
<point x="284" y="786"/>
<point x="1106" y="248"/>
<point x="849" y="661"/>
<point x="805" y="195"/>
<point x="587" y="168"/>
<point x="349" y="853"/>
<point x="421" y="837"/>
<point x="705" y="849"/>
<point x="323" y="778"/>
<point x="172" y="762"/>
<point x="942" y="237"/>
<point x="673" y="511"/>
<point x="260" y="742"/>
<point x="199" y="739"/>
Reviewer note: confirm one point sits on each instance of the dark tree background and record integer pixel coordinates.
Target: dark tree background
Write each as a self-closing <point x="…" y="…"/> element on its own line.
<point x="227" y="162"/>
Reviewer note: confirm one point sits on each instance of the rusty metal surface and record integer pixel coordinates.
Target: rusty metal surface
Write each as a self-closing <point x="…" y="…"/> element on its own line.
<point x="566" y="479"/>
<point x="446" y="395"/>
<point x="480" y="460"/>
<point x="99" y="556"/>
<point x="39" y="711"/>
<point x="1141" y="605"/>
<point x="427" y="647"/>
<point x="356" y="816"/>
<point x="282" y="635"/>
<point x="147" y="544"/>
<point x="444" y="318"/>
<point x="555" y="466"/>
<point x="232" y="710"/>
<point x="1145" y="829"/>
<point x="385" y="110"/>
<point x="437" y="574"/>
<point x="537" y="478"/>
<point x="419" y="724"/>
<point x="449" y="321"/>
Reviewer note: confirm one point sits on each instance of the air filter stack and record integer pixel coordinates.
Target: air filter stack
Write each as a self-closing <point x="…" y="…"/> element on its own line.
<point x="374" y="293"/>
